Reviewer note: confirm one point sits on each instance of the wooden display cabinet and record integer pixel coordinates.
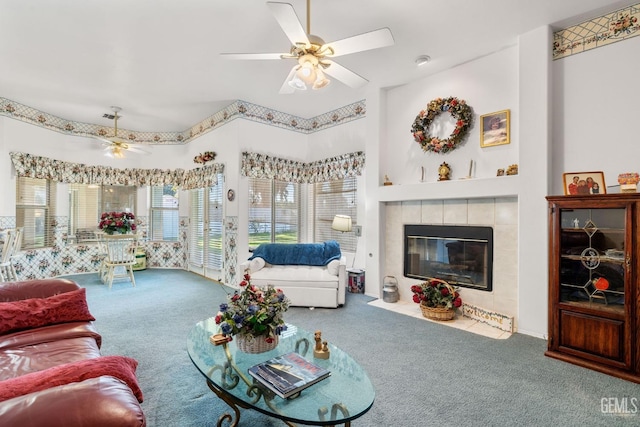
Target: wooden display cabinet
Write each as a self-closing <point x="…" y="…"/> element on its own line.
<point x="594" y="257"/>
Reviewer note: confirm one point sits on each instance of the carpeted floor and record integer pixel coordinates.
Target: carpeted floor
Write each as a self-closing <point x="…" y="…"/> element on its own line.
<point x="425" y="374"/>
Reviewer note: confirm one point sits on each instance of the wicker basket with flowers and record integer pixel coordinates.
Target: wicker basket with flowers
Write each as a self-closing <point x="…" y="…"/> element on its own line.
<point x="437" y="298"/>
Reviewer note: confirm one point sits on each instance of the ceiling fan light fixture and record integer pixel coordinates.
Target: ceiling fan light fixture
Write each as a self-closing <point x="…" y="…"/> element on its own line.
<point x="118" y="153"/>
<point x="307" y="73"/>
<point x="321" y="81"/>
<point x="308" y="66"/>
<point x="297" y="84"/>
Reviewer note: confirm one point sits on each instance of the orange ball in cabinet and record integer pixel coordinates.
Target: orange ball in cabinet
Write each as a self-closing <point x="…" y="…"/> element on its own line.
<point x="601" y="283"/>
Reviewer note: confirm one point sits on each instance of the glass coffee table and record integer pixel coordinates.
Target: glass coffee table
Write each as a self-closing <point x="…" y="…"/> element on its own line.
<point x="342" y="397"/>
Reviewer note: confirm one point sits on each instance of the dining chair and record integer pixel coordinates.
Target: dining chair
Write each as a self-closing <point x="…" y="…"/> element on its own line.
<point x="120" y="255"/>
<point x="102" y="255"/>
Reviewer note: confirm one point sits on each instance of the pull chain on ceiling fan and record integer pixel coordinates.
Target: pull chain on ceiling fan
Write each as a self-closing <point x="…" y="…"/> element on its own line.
<point x="313" y="54"/>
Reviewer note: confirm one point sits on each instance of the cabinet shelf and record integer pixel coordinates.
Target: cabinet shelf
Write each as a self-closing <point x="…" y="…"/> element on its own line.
<point x="611" y="260"/>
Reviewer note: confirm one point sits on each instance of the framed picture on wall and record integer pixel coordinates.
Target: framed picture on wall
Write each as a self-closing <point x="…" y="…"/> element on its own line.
<point x="495" y="129"/>
<point x="581" y="183"/>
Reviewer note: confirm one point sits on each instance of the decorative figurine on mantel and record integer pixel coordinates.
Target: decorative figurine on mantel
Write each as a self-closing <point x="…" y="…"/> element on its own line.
<point x="443" y="172"/>
<point x="321" y="350"/>
<point x="387" y="181"/>
<point x="512" y="170"/>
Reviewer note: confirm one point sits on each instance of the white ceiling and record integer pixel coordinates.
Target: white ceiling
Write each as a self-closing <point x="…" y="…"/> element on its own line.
<point x="159" y="59"/>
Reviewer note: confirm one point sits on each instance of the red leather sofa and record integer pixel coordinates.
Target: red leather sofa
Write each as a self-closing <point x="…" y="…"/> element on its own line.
<point x="58" y="359"/>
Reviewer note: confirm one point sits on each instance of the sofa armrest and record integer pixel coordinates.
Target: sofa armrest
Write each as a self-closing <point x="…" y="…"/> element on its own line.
<point x="253" y="265"/>
<point x="16" y="291"/>
<point x="104" y="401"/>
<point x="342" y="280"/>
<point x="50" y="333"/>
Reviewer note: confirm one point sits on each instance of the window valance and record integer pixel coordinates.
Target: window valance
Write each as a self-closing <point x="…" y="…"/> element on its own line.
<point x="257" y="165"/>
<point x="28" y="165"/>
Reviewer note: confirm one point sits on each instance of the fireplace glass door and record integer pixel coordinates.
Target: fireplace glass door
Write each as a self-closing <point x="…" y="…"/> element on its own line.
<point x="461" y="255"/>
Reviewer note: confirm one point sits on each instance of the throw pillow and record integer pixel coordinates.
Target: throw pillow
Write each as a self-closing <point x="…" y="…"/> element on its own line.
<point x="121" y="367"/>
<point x="36" y="312"/>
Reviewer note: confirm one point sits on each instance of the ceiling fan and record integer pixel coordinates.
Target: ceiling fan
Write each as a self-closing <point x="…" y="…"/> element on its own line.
<point x="313" y="55"/>
<point x="115" y="147"/>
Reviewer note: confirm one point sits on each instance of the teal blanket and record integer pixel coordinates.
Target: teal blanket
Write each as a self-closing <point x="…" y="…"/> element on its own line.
<point x="298" y="253"/>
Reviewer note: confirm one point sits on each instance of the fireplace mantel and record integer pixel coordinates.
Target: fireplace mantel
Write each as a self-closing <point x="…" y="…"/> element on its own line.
<point x="475" y="188"/>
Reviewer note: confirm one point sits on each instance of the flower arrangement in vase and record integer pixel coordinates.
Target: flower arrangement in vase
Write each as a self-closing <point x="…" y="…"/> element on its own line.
<point x="254" y="315"/>
<point x="437" y="298"/>
<point x="117" y="222"/>
<point x="206" y="157"/>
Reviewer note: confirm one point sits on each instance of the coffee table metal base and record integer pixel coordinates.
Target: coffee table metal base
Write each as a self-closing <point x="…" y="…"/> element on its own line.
<point x="235" y="404"/>
<point x="234" y="375"/>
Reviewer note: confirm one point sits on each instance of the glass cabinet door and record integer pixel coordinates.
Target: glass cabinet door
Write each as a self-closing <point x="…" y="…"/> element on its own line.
<point x="593" y="258"/>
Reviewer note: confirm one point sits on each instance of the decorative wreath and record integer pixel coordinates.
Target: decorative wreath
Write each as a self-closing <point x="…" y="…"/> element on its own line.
<point x="458" y="108"/>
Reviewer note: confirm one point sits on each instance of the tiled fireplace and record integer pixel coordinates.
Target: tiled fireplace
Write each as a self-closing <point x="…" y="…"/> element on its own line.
<point x="501" y="214"/>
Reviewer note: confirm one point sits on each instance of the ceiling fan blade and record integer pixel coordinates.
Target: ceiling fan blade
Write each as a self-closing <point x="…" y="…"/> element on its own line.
<point x="137" y="150"/>
<point x="104" y="141"/>
<point x="288" y="20"/>
<point x="345" y="75"/>
<point x="286" y="89"/>
<point x="253" y="56"/>
<point x="367" y="41"/>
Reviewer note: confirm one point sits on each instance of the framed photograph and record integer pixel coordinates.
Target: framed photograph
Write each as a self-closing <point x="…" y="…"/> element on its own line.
<point x="584" y="183"/>
<point x="231" y="195"/>
<point x="495" y="129"/>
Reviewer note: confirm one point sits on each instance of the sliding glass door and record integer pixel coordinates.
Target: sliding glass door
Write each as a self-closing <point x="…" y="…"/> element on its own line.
<point x="206" y="231"/>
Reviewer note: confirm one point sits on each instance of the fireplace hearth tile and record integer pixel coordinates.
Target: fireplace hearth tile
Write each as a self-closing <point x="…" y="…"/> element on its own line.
<point x="460" y="322"/>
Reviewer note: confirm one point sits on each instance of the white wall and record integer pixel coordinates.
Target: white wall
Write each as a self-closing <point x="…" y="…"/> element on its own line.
<point x="535" y="112"/>
<point x="596" y="112"/>
<point x="489" y="84"/>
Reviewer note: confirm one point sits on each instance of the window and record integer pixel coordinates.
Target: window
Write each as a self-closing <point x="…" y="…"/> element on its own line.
<point x="332" y="198"/>
<point x="164" y="212"/>
<point x="274" y="212"/>
<point x="84" y="211"/>
<point x="88" y="201"/>
<point x="35" y="209"/>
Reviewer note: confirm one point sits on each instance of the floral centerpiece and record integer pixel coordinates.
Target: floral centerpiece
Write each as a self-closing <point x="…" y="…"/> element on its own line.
<point x="117" y="222"/>
<point x="254" y="315"/>
<point x="437" y="299"/>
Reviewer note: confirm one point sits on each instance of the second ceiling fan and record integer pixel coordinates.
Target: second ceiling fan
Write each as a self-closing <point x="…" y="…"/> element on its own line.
<point x="115" y="146"/>
<point x="313" y="55"/>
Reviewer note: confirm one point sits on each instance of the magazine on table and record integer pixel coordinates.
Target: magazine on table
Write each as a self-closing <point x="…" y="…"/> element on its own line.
<point x="288" y="374"/>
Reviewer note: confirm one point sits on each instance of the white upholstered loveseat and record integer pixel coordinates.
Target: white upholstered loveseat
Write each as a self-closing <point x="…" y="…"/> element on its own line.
<point x="309" y="274"/>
